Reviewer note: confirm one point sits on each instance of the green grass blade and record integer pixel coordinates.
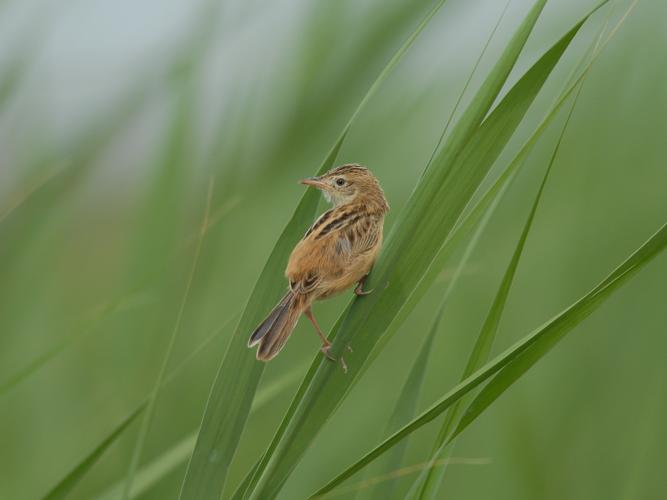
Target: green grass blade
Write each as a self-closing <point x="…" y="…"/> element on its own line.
<point x="406" y="403"/>
<point x="236" y="382"/>
<point x="238" y="377"/>
<point x="153" y="396"/>
<point x="470" y="217"/>
<point x="406" y="407"/>
<point x="467" y="83"/>
<point x="431" y="478"/>
<point x="508" y="375"/>
<point x="501" y="124"/>
<point x="245" y="483"/>
<point x="480" y="212"/>
<point x="407" y="400"/>
<point x="179" y="453"/>
<point x="482" y="348"/>
<point x="431" y="212"/>
<point x="64" y="487"/>
<point x="513" y="362"/>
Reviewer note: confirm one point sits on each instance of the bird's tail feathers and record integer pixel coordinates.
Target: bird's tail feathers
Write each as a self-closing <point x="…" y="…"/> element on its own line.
<point x="274" y="331"/>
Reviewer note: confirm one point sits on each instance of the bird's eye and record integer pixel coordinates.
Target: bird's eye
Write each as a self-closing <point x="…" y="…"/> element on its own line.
<point x="340" y="181"/>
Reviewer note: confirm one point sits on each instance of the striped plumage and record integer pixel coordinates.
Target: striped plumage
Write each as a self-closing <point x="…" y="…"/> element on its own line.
<point x="337" y="252"/>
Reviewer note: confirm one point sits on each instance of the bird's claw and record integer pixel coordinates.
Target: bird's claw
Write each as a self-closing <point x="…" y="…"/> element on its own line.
<point x="325" y="350"/>
<point x="359" y="292"/>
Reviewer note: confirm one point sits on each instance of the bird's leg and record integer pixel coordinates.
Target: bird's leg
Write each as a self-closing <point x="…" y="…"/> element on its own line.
<point x="359" y="290"/>
<point x="326" y="345"/>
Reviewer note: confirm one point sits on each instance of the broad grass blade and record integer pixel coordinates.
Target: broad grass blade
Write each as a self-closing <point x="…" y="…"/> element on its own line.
<point x="509" y="365"/>
<point x="439" y="198"/>
<point x="237" y="380"/>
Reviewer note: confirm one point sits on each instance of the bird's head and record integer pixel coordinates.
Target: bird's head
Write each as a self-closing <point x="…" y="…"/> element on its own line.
<point x="350" y="184"/>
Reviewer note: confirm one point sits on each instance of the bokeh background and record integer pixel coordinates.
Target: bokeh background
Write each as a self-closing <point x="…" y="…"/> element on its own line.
<point x="115" y="117"/>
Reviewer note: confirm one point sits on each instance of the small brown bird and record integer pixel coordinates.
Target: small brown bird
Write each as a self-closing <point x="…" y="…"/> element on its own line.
<point x="336" y="252"/>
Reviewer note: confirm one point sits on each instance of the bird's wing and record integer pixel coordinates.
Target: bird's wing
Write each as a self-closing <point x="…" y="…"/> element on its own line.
<point x="318" y="222"/>
<point x="332" y="221"/>
<point x="358" y="237"/>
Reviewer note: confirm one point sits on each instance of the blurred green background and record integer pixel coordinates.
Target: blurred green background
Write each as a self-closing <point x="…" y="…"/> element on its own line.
<point x="116" y="116"/>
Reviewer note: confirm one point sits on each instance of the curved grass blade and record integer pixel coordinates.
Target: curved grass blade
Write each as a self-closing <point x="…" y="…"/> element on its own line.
<point x="431" y="212"/>
<point x="431" y="479"/>
<point x="470" y="216"/>
<point x="407" y="401"/>
<point x="239" y="374"/>
<point x="516" y="360"/>
<point x="64" y="487"/>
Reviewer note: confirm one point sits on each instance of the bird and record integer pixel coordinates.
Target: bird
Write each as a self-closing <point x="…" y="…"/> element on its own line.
<point x="336" y="252"/>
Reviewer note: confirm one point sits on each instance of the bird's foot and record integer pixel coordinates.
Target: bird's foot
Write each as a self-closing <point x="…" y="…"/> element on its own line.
<point x="325" y="350"/>
<point x="359" y="290"/>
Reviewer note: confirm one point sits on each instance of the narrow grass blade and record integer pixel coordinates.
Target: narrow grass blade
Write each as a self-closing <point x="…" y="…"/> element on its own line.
<point x="152" y="399"/>
<point x="262" y="398"/>
<point x="64" y="487"/>
<point x="406" y="407"/>
<point x="516" y="360"/>
<point x="178" y="454"/>
<point x="397" y="474"/>
<point x="182" y="450"/>
<point x="430" y="214"/>
<point x="239" y="374"/>
<point x="467" y="83"/>
<point x="407" y="400"/>
<point x="431" y="479"/>
<point x="470" y="216"/>
<point x="245" y="483"/>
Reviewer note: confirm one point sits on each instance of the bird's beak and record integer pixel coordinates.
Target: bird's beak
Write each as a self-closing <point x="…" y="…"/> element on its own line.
<point x="315" y="182"/>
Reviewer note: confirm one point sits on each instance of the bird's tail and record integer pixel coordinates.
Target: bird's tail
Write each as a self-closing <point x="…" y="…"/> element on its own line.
<point x="273" y="332"/>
